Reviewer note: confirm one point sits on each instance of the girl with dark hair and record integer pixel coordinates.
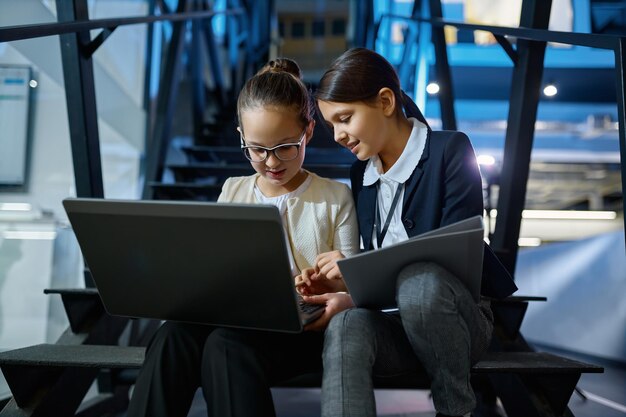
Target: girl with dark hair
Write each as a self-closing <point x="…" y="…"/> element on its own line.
<point x="236" y="367"/>
<point x="408" y="180"/>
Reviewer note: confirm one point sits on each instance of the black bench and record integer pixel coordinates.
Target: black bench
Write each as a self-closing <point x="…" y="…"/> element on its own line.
<point x="59" y="391"/>
<point x="545" y="382"/>
<point x="52" y="379"/>
<point x="186" y="191"/>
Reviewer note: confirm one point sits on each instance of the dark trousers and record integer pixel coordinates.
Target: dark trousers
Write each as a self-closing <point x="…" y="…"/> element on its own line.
<point x="234" y="367"/>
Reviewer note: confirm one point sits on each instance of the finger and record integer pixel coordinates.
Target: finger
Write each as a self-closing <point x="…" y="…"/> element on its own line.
<point x="316" y="299"/>
<point x="306" y="277"/>
<point x="326" y="269"/>
<point x="322" y="261"/>
<point x="316" y="276"/>
<point x="335" y="273"/>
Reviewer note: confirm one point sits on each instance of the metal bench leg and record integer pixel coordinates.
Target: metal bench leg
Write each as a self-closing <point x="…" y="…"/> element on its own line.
<point x="535" y="395"/>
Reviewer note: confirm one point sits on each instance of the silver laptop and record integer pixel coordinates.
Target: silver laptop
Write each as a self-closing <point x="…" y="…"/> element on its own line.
<point x="458" y="247"/>
<point x="210" y="263"/>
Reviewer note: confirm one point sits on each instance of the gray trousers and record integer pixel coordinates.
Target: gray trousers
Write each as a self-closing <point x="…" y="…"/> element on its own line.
<point x="440" y="331"/>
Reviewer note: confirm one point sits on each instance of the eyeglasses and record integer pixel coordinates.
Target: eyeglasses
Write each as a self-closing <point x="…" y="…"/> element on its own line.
<point x="284" y="152"/>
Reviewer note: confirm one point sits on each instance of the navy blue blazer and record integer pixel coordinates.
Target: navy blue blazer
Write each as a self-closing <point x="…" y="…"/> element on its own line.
<point x="444" y="188"/>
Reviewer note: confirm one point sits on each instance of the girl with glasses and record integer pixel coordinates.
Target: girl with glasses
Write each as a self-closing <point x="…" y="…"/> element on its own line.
<point x="236" y="367"/>
<point x="408" y="180"/>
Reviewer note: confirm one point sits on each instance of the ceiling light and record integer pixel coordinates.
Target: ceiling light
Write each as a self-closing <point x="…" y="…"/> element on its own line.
<point x="432" y="88"/>
<point x="15" y="207"/>
<point x="550" y="90"/>
<point x="569" y="214"/>
<point x="529" y="241"/>
<point x="29" y="235"/>
<point x="564" y="214"/>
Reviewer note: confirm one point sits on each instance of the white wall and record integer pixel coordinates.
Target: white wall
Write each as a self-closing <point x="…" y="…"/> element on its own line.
<point x="118" y="69"/>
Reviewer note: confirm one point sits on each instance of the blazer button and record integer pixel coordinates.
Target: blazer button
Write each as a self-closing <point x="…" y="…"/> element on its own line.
<point x="408" y="223"/>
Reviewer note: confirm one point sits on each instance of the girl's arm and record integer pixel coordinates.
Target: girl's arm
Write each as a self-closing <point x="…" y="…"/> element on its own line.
<point x="345" y="243"/>
<point x="326" y="272"/>
<point x="346" y="236"/>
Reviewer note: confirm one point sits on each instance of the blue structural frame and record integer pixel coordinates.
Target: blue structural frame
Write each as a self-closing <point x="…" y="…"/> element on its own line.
<point x="471" y="55"/>
<point x="529" y="64"/>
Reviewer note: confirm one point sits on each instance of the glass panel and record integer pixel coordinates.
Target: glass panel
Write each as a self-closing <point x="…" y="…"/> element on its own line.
<point x="119" y="72"/>
<point x="37" y="248"/>
<point x="13" y="13"/>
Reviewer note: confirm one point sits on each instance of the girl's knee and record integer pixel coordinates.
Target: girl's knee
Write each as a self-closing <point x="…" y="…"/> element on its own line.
<point x="219" y="340"/>
<point x="349" y="322"/>
<point x="350" y="333"/>
<point x="423" y="279"/>
<point x="173" y="333"/>
<point x="176" y="340"/>
<point x="424" y="286"/>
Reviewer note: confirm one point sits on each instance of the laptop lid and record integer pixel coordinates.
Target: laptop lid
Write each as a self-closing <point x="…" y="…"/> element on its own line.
<point x="371" y="276"/>
<point x="210" y="263"/>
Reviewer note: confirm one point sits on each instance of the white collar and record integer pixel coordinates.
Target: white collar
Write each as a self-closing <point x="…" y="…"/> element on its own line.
<point x="405" y="165"/>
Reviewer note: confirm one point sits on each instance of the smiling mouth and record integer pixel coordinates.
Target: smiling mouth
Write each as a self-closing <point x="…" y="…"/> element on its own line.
<point x="351" y="146"/>
<point x="275" y="173"/>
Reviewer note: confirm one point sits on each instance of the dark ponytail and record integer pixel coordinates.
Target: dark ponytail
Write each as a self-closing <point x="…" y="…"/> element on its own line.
<point x="358" y="75"/>
<point x="411" y="109"/>
<point x="277" y="84"/>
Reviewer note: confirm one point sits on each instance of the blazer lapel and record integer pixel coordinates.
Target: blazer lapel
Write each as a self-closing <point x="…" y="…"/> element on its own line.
<point x="365" y="213"/>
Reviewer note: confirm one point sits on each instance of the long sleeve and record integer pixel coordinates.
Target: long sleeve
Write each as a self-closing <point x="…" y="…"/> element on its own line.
<point x="462" y="197"/>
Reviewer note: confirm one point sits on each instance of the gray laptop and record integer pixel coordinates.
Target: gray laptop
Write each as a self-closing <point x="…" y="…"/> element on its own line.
<point x="219" y="264"/>
<point x="458" y="247"/>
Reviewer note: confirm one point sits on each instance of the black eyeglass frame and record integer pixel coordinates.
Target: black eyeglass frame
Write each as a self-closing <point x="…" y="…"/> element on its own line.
<point x="272" y="149"/>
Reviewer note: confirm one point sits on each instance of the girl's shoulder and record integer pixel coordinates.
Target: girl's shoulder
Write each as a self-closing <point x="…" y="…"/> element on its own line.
<point x="442" y="139"/>
<point x="234" y="181"/>
<point x="445" y="145"/>
<point x="329" y="187"/>
<point x="238" y="188"/>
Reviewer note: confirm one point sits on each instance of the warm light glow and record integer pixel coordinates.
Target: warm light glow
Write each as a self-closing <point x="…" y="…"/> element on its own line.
<point x="485" y="160"/>
<point x="432" y="88"/>
<point x="550" y="90"/>
<point x="564" y="214"/>
<point x="28" y="235"/>
<point x="15" y="207"/>
<point x="529" y="241"/>
<point x="569" y="214"/>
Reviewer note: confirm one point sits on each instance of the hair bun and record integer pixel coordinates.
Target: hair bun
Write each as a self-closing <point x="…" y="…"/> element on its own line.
<point x="282" y="65"/>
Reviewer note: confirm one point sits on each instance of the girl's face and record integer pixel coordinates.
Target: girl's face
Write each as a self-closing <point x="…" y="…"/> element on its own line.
<point x="268" y="128"/>
<point x="359" y="126"/>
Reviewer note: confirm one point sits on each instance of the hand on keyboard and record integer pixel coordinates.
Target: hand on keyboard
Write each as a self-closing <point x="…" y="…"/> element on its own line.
<point x="334" y="302"/>
<point x="311" y="283"/>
